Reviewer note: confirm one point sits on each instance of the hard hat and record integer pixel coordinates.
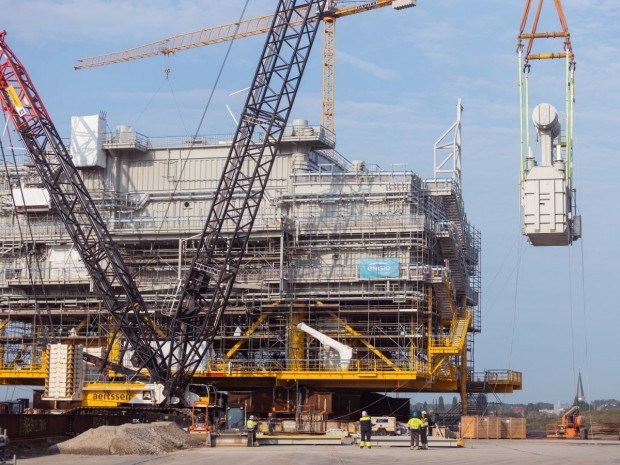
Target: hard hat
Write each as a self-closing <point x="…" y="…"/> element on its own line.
<point x="423" y="412"/>
<point x="251" y="417"/>
<point x="414" y="414"/>
<point x="364" y="413"/>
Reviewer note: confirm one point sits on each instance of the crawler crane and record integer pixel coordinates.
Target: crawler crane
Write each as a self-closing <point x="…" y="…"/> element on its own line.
<point x="191" y="324"/>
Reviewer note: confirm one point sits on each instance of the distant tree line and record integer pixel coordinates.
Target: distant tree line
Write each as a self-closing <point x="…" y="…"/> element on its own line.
<point x="517" y="409"/>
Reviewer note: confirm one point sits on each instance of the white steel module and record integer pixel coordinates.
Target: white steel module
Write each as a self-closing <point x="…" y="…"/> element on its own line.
<point x="546" y="192"/>
<point x="87" y="137"/>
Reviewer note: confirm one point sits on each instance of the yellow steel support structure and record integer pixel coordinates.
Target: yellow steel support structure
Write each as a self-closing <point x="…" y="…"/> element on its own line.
<point x="33" y="374"/>
<point x="296" y="338"/>
<point x="376" y="351"/>
<point x="455" y="344"/>
<point x="156" y="327"/>
<point x="362" y="374"/>
<point x="114" y="347"/>
<point x="81" y="325"/>
<point x="463" y="377"/>
<point x="246" y="335"/>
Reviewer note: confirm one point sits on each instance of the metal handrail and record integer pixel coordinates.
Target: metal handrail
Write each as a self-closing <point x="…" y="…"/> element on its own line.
<point x="273" y="367"/>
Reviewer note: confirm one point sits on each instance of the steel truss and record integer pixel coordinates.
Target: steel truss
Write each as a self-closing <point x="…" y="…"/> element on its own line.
<point x="207" y="287"/>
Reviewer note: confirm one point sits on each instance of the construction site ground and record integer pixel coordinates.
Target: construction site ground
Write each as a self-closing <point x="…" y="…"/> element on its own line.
<point x="478" y="452"/>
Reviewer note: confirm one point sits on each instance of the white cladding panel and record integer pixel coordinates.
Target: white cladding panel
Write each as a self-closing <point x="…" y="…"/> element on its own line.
<point x="65" y="263"/>
<point x="32" y="197"/>
<point x="87" y="135"/>
<point x="165" y="170"/>
<point x="545" y="202"/>
<point x="154" y="175"/>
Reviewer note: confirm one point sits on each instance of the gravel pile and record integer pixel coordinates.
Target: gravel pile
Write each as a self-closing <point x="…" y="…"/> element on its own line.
<point x="141" y="439"/>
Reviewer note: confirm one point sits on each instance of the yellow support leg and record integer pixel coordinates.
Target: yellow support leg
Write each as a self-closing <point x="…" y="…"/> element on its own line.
<point x="296" y="339"/>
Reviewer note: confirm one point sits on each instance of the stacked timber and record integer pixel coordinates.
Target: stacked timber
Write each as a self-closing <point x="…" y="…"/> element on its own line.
<point x="474" y="427"/>
<point x="513" y="428"/>
<point x="604" y="431"/>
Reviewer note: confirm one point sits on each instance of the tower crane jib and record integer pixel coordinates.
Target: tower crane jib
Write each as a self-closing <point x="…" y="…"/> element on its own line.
<point x="248" y="28"/>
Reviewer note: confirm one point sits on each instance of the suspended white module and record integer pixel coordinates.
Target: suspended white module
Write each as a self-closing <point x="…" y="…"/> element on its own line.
<point x="547" y="197"/>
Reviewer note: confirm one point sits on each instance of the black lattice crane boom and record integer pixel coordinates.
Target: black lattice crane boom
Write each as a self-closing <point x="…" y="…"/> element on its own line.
<point x="77" y="210"/>
<point x="205" y="291"/>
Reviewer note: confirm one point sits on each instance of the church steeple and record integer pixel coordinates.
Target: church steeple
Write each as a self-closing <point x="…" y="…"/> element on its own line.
<point x="580" y="397"/>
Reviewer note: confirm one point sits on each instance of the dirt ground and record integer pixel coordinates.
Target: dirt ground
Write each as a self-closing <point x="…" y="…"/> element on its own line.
<point x="481" y="452"/>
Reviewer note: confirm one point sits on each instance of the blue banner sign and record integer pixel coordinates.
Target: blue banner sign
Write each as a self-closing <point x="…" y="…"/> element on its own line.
<point x="378" y="268"/>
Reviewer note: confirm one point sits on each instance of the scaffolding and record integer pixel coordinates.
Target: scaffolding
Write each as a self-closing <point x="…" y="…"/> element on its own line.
<point x="380" y="260"/>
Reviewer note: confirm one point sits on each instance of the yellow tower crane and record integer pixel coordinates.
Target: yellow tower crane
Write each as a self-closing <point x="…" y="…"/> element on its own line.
<point x="246" y="28"/>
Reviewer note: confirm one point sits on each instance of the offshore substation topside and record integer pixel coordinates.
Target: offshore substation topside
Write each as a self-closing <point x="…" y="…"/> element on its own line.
<point x="381" y="261"/>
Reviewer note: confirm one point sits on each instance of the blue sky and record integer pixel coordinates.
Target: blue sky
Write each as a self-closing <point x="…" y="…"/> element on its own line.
<point x="399" y="74"/>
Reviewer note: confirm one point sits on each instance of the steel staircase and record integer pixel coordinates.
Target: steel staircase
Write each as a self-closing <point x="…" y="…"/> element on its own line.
<point x="453" y="343"/>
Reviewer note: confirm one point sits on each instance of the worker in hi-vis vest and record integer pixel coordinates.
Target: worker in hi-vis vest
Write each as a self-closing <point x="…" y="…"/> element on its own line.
<point x="365" y="429"/>
<point x="424" y="430"/>
<point x="251" y="426"/>
<point x="414" y="425"/>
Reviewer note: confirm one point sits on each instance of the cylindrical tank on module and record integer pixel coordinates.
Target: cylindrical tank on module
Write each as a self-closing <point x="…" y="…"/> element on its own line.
<point x="545" y="117"/>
